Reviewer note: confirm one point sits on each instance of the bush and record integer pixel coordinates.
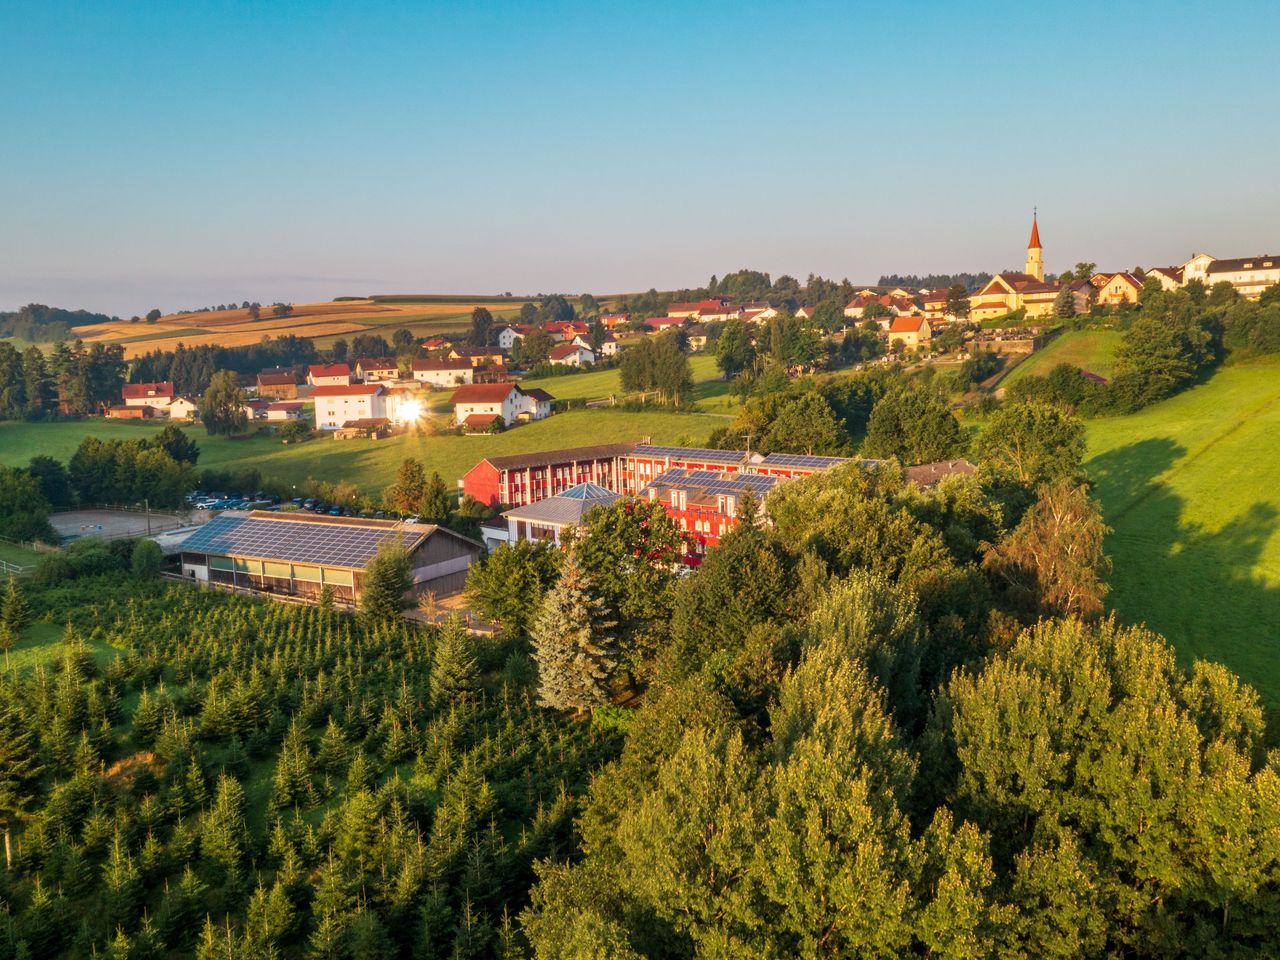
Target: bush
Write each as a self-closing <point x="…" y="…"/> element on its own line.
<point x="146" y="558"/>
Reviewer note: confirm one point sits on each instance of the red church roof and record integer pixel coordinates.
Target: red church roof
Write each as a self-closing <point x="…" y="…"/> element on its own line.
<point x="1034" y="243"/>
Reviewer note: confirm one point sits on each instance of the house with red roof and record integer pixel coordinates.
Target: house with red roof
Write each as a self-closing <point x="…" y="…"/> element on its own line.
<point x="477" y="406"/>
<point x="443" y="372"/>
<point x="329" y="375"/>
<point x="337" y="404"/>
<point x="510" y="335"/>
<point x="911" y="332"/>
<point x="659" y="324"/>
<point x="157" y="396"/>
<point x="571" y="355"/>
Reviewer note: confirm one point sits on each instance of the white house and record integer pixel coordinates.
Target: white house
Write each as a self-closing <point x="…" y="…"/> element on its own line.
<point x="444" y="372"/>
<point x="182" y="408"/>
<point x="1249" y="275"/>
<point x="608" y="346"/>
<point x="329" y="375"/>
<point x="283" y="410"/>
<point x="477" y="405"/>
<point x="376" y="370"/>
<point x="158" y="396"/>
<point x="508" y="337"/>
<point x="337" y="404"/>
<point x="571" y="355"/>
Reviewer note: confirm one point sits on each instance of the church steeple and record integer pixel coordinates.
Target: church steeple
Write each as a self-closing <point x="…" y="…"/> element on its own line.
<point x="1035" y="254"/>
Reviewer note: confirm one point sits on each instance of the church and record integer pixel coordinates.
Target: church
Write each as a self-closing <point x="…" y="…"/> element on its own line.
<point x="1006" y="292"/>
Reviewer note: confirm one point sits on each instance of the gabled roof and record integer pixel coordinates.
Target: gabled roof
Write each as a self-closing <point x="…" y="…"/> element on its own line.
<point x="566" y="350"/>
<point x="481" y="420"/>
<point x="276" y="378"/>
<point x="537" y="393"/>
<point x="318" y="370"/>
<point x="1263" y="261"/>
<point x="1034" y="242"/>
<point x="443" y="363"/>
<point x="353" y="390"/>
<point x="906" y="324"/>
<point x="483" y="392"/>
<point x="141" y="391"/>
<point x="376" y="363"/>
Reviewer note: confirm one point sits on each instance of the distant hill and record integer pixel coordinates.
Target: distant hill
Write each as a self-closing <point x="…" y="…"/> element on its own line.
<point x="41" y="324"/>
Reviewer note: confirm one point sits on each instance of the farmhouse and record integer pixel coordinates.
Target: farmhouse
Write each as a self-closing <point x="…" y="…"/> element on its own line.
<point x="155" y="395"/>
<point x="526" y="478"/>
<point x="911" y="332"/>
<point x="444" y="372"/>
<point x="477" y="405"/>
<point x="329" y="375"/>
<point x="477" y="356"/>
<point x="277" y="384"/>
<point x="297" y="555"/>
<point x="376" y="370"/>
<point x="335" y="405"/>
<point x="508" y="337"/>
<point x="548" y="519"/>
<point x="570" y="355"/>
<point x="282" y="410"/>
<point x="182" y="408"/>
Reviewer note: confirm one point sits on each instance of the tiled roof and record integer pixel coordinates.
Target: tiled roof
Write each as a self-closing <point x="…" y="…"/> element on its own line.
<point x="318" y="370"/>
<point x="482" y="393"/>
<point x="141" y="391"/>
<point x="354" y="390"/>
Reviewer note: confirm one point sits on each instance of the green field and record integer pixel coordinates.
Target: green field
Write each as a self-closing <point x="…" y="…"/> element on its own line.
<point x="1192" y="488"/>
<point x="599" y="384"/>
<point x="1092" y="350"/>
<point x="370" y="464"/>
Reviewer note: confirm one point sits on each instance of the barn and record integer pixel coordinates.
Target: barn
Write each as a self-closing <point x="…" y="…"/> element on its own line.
<point x="297" y="554"/>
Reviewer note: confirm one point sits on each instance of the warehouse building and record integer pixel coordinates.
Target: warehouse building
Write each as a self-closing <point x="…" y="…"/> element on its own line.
<point x="297" y="554"/>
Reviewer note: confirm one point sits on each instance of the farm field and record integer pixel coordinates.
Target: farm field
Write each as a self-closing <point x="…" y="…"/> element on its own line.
<point x="371" y="465"/>
<point x="598" y="384"/>
<point x="324" y="322"/>
<point x="1191" y="487"/>
<point x="1092" y="350"/>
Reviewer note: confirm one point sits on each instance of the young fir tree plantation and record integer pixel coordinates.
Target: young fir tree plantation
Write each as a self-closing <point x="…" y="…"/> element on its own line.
<point x="891" y="721"/>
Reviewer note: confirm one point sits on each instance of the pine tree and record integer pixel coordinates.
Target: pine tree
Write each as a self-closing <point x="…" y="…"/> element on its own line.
<point x="434" y="504"/>
<point x="455" y="674"/>
<point x="224" y="836"/>
<point x="386" y="579"/>
<point x="19" y="772"/>
<point x="13" y="608"/>
<point x="292" y="784"/>
<point x="573" y="643"/>
<point x="406" y="493"/>
<point x="122" y="888"/>
<point x="331" y="756"/>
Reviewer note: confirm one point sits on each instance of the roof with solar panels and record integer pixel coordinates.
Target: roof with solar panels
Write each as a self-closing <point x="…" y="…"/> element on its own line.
<point x="306" y="538"/>
<point x="704" y="486"/>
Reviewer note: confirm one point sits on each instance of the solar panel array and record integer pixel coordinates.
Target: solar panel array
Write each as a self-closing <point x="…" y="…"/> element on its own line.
<point x="709" y="481"/>
<point x="801" y="460"/>
<point x="690" y="453"/>
<point x="337" y="545"/>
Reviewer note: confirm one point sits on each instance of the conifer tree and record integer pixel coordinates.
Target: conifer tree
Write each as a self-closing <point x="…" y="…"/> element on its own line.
<point x="122" y="888"/>
<point x="331" y="756"/>
<point x="13" y="608"/>
<point x="386" y="579"/>
<point x="225" y="833"/>
<point x="455" y="674"/>
<point x="435" y="500"/>
<point x="406" y="493"/>
<point x="573" y="643"/>
<point x="19" y="772"/>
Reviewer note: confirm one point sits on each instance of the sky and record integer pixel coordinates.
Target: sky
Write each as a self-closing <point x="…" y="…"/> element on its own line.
<point x="183" y="154"/>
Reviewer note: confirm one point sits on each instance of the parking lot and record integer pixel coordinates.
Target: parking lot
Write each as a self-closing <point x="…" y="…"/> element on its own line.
<point x="118" y="524"/>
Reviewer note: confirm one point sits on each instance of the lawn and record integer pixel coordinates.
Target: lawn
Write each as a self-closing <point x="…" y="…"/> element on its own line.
<point x="1092" y="350"/>
<point x="710" y="392"/>
<point x="371" y="464"/>
<point x="40" y="644"/>
<point x="18" y="556"/>
<point x="1191" y="487"/>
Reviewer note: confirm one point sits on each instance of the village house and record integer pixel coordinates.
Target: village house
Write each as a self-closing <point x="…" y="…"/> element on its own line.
<point x="329" y="375"/>
<point x="158" y="396"/>
<point x="911" y="332"/>
<point x="1117" y="288"/>
<point x="508" y="337"/>
<point x="683" y="310"/>
<point x="282" y="410"/>
<point x="435" y="343"/>
<point x="1170" y="277"/>
<point x="255" y="408"/>
<point x="570" y="355"/>
<point x="338" y="404"/>
<point x="696" y="336"/>
<point x="612" y="321"/>
<point x="478" y="356"/>
<point x="279" y="384"/>
<point x="443" y="372"/>
<point x="661" y="324"/>
<point x="608" y="345"/>
<point x="183" y="408"/>
<point x="477" y="405"/>
<point x="376" y="370"/>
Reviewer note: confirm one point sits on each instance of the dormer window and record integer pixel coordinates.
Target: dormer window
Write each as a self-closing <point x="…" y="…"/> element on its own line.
<point x="1248" y="266"/>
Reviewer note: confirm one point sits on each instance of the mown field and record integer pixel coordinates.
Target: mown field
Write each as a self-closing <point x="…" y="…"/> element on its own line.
<point x="1192" y="488"/>
<point x="598" y="384"/>
<point x="371" y="465"/>
<point x="1092" y="350"/>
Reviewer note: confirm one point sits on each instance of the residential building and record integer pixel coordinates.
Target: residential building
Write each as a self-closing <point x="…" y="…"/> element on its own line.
<point x="696" y="336"/>
<point x="329" y="375"/>
<point x="278" y="384"/>
<point x="911" y="332"/>
<point x="183" y="408"/>
<point x="570" y="355"/>
<point x="282" y="410"/>
<point x="508" y="337"/>
<point x="155" y="395"/>
<point x="538" y="402"/>
<point x="526" y="478"/>
<point x="684" y="310"/>
<point x="444" y="372"/>
<point x="1170" y="277"/>
<point x="549" y="518"/>
<point x="478" y="356"/>
<point x="1117" y="288"/>
<point x="805" y="313"/>
<point x="662" y="324"/>
<point x="612" y="321"/>
<point x="255" y="408"/>
<point x="298" y="554"/>
<point x="704" y="503"/>
<point x="565" y="330"/>
<point x="336" y="405"/>
<point x="477" y="405"/>
<point x="608" y="346"/>
<point x="1249" y="275"/>
<point x="1197" y="268"/>
<point x="376" y="370"/>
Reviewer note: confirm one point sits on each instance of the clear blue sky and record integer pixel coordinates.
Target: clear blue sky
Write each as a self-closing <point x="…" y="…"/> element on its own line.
<point x="180" y="154"/>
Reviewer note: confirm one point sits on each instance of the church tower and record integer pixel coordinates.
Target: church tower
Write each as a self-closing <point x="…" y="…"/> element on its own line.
<point x="1035" y="254"/>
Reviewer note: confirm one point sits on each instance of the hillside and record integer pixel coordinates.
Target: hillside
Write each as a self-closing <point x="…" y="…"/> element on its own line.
<point x="1092" y="350"/>
<point x="1192" y="488"/>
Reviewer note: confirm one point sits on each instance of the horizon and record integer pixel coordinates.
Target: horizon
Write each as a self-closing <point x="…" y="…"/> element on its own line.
<point x="181" y="158"/>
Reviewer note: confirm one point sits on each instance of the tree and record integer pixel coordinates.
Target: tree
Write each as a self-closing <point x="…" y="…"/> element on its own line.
<point x="573" y="643"/>
<point x="588" y="304"/>
<point x="455" y="675"/>
<point x="1052" y="563"/>
<point x="1031" y="443"/>
<point x="405" y="494"/>
<point x="481" y="327"/>
<point x="154" y="314"/>
<point x="24" y="512"/>
<point x="404" y="341"/>
<point x="224" y="834"/>
<point x="222" y="406"/>
<point x="535" y="346"/>
<point x="146" y="558"/>
<point x="507" y="586"/>
<point x="386" y="580"/>
<point x="174" y="441"/>
<point x="735" y="350"/>
<point x="434" y="505"/>
<point x="805" y="424"/>
<point x="281" y="309"/>
<point x="657" y="364"/>
<point x="914" y="426"/>
<point x="958" y="301"/>
<point x="19" y="772"/>
<point x="255" y="311"/>
<point x="1064" y="304"/>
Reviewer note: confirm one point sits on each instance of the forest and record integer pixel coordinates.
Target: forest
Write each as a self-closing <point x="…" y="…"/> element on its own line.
<point x="891" y="722"/>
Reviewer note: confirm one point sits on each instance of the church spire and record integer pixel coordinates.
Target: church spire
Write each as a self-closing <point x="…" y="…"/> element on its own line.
<point x="1035" y="254"/>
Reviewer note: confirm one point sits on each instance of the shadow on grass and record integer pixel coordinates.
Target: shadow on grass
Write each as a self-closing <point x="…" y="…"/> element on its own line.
<point x="1195" y="586"/>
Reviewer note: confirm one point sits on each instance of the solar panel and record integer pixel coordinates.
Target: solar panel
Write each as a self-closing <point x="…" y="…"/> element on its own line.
<point x="801" y="460"/>
<point x="320" y="543"/>
<point x="690" y="453"/>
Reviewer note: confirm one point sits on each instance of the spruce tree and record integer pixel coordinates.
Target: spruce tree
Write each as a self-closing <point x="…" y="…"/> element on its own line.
<point x="573" y="643"/>
<point x="13" y="608"/>
<point x="404" y="495"/>
<point x="386" y="579"/>
<point x="224" y="837"/>
<point x="455" y="674"/>
<point x="434" y="505"/>
<point x="19" y="772"/>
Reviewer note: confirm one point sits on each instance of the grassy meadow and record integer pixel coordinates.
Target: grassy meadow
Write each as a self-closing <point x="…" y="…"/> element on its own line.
<point x="1092" y="350"/>
<point x="370" y="464"/>
<point x="1191" y="487"/>
<point x="598" y="384"/>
